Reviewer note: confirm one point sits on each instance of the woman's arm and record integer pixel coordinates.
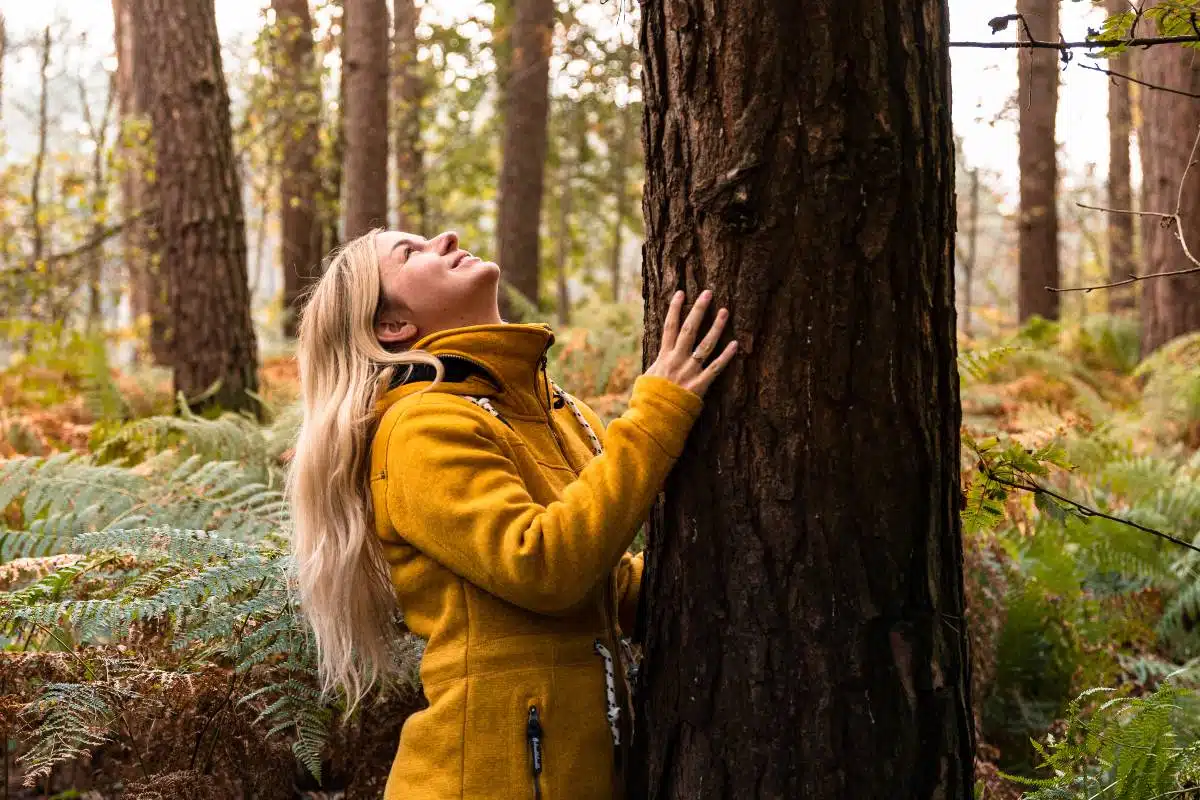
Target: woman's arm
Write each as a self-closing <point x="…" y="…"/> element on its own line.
<point x="629" y="589"/>
<point x="455" y="494"/>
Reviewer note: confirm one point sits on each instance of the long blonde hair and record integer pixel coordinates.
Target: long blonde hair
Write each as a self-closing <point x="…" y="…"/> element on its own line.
<point x="341" y="576"/>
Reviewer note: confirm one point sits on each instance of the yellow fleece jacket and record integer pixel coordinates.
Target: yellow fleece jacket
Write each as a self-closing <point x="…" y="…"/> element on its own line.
<point x="507" y="543"/>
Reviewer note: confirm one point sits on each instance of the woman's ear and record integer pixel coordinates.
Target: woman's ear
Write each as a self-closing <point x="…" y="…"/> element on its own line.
<point x="392" y="331"/>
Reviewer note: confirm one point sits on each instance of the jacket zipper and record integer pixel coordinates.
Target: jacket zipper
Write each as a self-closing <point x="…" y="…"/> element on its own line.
<point x="562" y="448"/>
<point x="533" y="735"/>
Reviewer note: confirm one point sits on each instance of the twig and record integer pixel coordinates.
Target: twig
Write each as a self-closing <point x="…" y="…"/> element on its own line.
<point x="1167" y="219"/>
<point x="1087" y="511"/>
<point x="1131" y="79"/>
<point x="1090" y="45"/>
<point x="101" y="236"/>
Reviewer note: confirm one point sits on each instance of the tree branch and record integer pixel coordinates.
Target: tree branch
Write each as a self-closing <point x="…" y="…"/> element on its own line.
<point x="1089" y="45"/>
<point x="1088" y="511"/>
<point x="100" y="237"/>
<point x="1172" y="218"/>
<point x="1131" y="79"/>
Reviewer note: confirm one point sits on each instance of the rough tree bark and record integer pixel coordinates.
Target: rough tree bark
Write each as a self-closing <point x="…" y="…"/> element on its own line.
<point x="1170" y="306"/>
<point x="802" y="609"/>
<point x="140" y="240"/>
<point x="408" y="90"/>
<point x="522" y="171"/>
<point x="201" y="220"/>
<point x="1120" y="195"/>
<point x="1038" y="219"/>
<point x="365" y="55"/>
<point x="297" y="79"/>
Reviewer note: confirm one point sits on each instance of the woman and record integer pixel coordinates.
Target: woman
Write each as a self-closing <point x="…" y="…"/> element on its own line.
<point x="438" y="466"/>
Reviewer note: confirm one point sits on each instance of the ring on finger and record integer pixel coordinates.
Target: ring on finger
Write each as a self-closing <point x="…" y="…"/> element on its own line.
<point x="699" y="356"/>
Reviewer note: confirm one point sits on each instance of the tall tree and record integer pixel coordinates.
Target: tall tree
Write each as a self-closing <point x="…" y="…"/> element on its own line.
<point x="203" y="244"/>
<point x="139" y="201"/>
<point x="1038" y="220"/>
<point x="1120" y="195"/>
<point x="620" y="169"/>
<point x="1170" y="125"/>
<point x="802" y="611"/>
<point x="526" y="110"/>
<point x="365" y="60"/>
<point x="408" y="91"/>
<point x="297" y="79"/>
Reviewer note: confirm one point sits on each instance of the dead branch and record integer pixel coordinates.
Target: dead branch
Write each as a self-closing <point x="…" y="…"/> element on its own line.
<point x="1088" y="45"/>
<point x="1167" y="219"/>
<point x="1139" y="82"/>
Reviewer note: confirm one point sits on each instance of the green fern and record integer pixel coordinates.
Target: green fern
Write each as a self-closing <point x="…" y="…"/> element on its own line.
<point x="1124" y="748"/>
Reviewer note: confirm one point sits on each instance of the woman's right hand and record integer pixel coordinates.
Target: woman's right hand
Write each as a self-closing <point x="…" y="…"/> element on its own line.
<point x="681" y="363"/>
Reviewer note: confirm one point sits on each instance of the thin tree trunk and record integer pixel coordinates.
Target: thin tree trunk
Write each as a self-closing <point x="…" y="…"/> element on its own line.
<point x="972" y="254"/>
<point x="3" y="52"/>
<point x="565" y="191"/>
<point x="620" y="183"/>
<point x="37" y="228"/>
<point x="1120" y="195"/>
<point x="408" y="89"/>
<point x="141" y="240"/>
<point x="97" y="207"/>
<point x="1170" y="123"/>
<point x="330" y="196"/>
<point x="213" y="346"/>
<point x="300" y="229"/>
<point x="802" y="611"/>
<point x="1038" y="219"/>
<point x="526" y="106"/>
<point x="365" y="60"/>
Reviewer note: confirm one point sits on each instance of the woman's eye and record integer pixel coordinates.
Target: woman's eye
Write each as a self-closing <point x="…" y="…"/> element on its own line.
<point x="405" y="252"/>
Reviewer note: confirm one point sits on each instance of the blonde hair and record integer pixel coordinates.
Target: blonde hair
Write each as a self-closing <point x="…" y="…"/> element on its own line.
<point x="341" y="576"/>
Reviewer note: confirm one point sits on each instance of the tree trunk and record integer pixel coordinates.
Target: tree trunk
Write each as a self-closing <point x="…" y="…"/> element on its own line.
<point x="972" y="254"/>
<point x="1038" y="218"/>
<point x="203" y="229"/>
<point x="1120" y="195"/>
<point x="330" y="195"/>
<point x="365" y="56"/>
<point x="526" y="106"/>
<point x="620" y="162"/>
<point x="1170" y="306"/>
<point x="141" y="240"/>
<point x="298" y="80"/>
<point x="802" y="610"/>
<point x="409" y="91"/>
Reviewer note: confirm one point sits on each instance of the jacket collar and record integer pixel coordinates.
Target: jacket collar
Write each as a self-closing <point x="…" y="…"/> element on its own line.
<point x="502" y="361"/>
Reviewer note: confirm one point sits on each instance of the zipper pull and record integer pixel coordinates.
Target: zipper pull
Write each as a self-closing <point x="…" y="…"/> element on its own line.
<point x="533" y="732"/>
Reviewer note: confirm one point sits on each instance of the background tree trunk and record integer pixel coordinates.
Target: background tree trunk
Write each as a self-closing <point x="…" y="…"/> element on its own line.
<point x="1120" y="195"/>
<point x="297" y="79"/>
<point x="141" y="239"/>
<point x="1038" y="219"/>
<point x="620" y="178"/>
<point x="365" y="59"/>
<point x="972" y="254"/>
<point x="802" y="609"/>
<point x="1170" y="306"/>
<point x="526" y="107"/>
<point x="203" y="229"/>
<point x="409" y="90"/>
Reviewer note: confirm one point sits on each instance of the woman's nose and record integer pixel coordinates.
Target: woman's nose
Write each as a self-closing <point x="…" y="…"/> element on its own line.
<point x="446" y="243"/>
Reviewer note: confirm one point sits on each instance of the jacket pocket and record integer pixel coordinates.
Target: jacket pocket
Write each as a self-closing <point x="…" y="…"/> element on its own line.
<point x="534" y="738"/>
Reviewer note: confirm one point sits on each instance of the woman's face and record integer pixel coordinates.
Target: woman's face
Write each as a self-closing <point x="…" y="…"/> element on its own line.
<point x="430" y="285"/>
